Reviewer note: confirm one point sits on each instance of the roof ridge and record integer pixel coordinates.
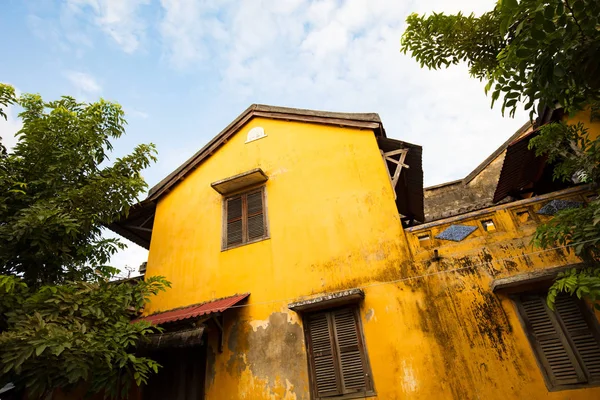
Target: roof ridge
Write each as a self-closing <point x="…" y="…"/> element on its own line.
<point x="355" y="120"/>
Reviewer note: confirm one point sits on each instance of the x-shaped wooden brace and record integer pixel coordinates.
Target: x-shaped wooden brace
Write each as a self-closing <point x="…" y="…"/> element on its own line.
<point x="401" y="154"/>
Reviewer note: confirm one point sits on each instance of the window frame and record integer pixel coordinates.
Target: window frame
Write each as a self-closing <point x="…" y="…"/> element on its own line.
<point x="588" y="316"/>
<point x="371" y="391"/>
<point x="244" y="195"/>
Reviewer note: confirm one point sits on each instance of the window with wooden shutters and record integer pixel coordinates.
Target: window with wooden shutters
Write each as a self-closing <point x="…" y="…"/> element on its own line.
<point x="566" y="341"/>
<point x="244" y="219"/>
<point x="337" y="358"/>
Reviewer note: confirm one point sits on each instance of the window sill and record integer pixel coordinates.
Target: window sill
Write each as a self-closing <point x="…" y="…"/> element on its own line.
<point x="575" y="386"/>
<point x="245" y="244"/>
<point x="358" y="395"/>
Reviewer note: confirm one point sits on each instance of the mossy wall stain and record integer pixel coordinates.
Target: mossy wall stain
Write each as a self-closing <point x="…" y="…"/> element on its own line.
<point x="272" y="347"/>
<point x="438" y="321"/>
<point x="492" y="322"/>
<point x="272" y="353"/>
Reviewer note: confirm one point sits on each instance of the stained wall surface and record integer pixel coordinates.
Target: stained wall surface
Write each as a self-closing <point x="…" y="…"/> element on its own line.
<point x="433" y="326"/>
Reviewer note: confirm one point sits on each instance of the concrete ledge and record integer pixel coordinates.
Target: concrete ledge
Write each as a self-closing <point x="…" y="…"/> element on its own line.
<point x="520" y="282"/>
<point x="519" y="203"/>
<point x="235" y="183"/>
<point x="328" y="301"/>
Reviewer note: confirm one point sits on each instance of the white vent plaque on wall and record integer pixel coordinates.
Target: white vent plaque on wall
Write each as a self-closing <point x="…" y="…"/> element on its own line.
<point x="255" y="134"/>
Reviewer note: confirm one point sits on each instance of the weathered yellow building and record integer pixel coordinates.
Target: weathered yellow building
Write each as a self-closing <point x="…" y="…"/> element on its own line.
<point x="305" y="264"/>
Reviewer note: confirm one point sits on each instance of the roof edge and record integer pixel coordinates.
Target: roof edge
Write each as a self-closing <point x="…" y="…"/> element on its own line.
<point x="441" y="185"/>
<point x="485" y="162"/>
<point x="355" y="120"/>
<point x="496" y="152"/>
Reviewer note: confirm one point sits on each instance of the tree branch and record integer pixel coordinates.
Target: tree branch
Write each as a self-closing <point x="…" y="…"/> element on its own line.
<point x="575" y="18"/>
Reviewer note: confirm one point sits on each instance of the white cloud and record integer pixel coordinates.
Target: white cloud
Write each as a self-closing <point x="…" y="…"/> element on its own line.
<point x="83" y="82"/>
<point x="342" y="55"/>
<point x="186" y="27"/>
<point x="117" y="18"/>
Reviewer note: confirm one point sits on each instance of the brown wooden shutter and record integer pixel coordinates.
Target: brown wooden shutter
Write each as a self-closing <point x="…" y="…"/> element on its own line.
<point x="255" y="215"/>
<point x="581" y="333"/>
<point x="321" y="347"/>
<point x="234" y="221"/>
<point x="337" y="355"/>
<point x="350" y="354"/>
<point x="549" y="342"/>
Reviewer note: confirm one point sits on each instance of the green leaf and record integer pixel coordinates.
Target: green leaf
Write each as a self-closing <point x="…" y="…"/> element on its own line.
<point x="523" y="52"/>
<point x="40" y="349"/>
<point x="537" y="34"/>
<point x="548" y="26"/>
<point x="509" y="5"/>
<point x="504" y="26"/>
<point x="519" y="28"/>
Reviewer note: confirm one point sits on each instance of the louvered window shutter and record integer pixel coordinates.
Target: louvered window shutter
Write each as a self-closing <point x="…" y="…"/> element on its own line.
<point x="245" y="219"/>
<point x="565" y="341"/>
<point x="350" y="354"/>
<point x="256" y="217"/>
<point x="581" y="333"/>
<point x="337" y="354"/>
<point x="234" y="221"/>
<point x="323" y="358"/>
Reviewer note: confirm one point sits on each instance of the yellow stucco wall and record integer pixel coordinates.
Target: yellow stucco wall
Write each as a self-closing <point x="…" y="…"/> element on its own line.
<point x="480" y="332"/>
<point x="430" y="332"/>
<point x="332" y="217"/>
<point x="326" y="216"/>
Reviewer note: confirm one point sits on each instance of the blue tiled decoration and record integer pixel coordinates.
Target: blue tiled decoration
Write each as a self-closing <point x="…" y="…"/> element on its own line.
<point x="556" y="205"/>
<point x="456" y="233"/>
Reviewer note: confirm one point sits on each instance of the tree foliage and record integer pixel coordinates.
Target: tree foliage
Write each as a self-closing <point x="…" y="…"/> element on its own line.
<point x="576" y="158"/>
<point x="528" y="51"/>
<point x="7" y="96"/>
<point x="61" y="321"/>
<point x="59" y="336"/>
<point x="540" y="53"/>
<point x="58" y="190"/>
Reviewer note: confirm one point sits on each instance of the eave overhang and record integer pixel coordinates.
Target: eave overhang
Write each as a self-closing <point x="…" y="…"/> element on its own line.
<point x="238" y="182"/>
<point x="137" y="225"/>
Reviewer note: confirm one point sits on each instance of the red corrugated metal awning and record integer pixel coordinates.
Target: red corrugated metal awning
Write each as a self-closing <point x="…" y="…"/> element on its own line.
<point x="194" y="311"/>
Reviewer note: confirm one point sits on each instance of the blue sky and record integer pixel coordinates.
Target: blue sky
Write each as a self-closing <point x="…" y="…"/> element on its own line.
<point x="183" y="69"/>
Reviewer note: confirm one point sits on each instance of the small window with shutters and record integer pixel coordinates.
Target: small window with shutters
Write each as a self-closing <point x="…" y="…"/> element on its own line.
<point x="338" y="362"/>
<point x="244" y="219"/>
<point x="566" y="341"/>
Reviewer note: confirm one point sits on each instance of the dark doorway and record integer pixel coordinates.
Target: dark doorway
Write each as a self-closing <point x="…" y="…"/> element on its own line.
<point x="181" y="376"/>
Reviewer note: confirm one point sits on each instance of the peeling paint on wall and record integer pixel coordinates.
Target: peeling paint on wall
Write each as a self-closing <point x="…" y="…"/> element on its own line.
<point x="409" y="383"/>
<point x="264" y="349"/>
<point x="370" y="314"/>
